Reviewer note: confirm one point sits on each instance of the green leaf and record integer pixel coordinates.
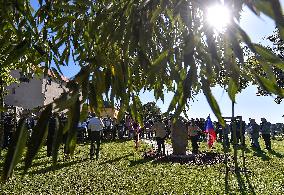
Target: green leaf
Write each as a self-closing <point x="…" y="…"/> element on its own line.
<point x="268" y="70"/>
<point x="272" y="9"/>
<point x="3" y="109"/>
<point x="17" y="53"/>
<point x="84" y="112"/>
<point x="15" y="149"/>
<point x="39" y="134"/>
<point x="278" y="15"/>
<point x="156" y="66"/>
<point x="155" y="14"/>
<point x="136" y="105"/>
<point x="83" y="74"/>
<point x="245" y="37"/>
<point x="268" y="55"/>
<point x="212" y="101"/>
<point x="269" y="85"/>
<point x="174" y="101"/>
<point x="57" y="139"/>
<point x="212" y="45"/>
<point x="93" y="98"/>
<point x="236" y="47"/>
<point x="73" y="118"/>
<point x="265" y="7"/>
<point x="232" y="90"/>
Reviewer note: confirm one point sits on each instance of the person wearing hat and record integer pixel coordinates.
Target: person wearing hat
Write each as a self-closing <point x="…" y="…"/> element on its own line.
<point x="161" y="133"/>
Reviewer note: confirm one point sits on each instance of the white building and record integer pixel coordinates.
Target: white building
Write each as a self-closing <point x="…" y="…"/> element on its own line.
<point x="34" y="92"/>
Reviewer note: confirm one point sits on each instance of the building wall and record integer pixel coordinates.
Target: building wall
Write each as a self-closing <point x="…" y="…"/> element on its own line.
<point x="35" y="93"/>
<point x="27" y="95"/>
<point x="51" y="90"/>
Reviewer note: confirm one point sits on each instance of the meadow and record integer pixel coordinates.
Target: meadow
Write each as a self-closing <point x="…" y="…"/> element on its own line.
<point x="123" y="170"/>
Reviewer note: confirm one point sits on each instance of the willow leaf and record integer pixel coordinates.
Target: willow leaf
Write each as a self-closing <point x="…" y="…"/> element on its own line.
<point x="268" y="55"/>
<point x="16" y="54"/>
<point x="212" y="101"/>
<point x="232" y="90"/>
<point x="74" y="118"/>
<point x="15" y="149"/>
<point x="84" y="112"/>
<point x="57" y="139"/>
<point x="39" y="134"/>
<point x="270" y="86"/>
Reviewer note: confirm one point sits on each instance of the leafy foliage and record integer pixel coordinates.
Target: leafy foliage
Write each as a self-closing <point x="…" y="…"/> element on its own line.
<point x="150" y="110"/>
<point x="125" y="46"/>
<point x="38" y="136"/>
<point x="275" y="53"/>
<point x="15" y="152"/>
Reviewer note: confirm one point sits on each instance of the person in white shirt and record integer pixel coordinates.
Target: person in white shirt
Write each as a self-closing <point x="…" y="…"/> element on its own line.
<point x="95" y="126"/>
<point x="160" y="131"/>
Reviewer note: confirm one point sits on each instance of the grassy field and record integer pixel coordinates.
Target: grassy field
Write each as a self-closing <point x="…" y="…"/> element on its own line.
<point x="122" y="170"/>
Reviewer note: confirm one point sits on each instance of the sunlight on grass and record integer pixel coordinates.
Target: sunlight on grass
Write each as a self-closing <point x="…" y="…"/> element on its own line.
<point x="122" y="170"/>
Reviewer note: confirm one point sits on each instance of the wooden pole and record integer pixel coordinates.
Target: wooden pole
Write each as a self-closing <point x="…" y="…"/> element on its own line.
<point x="234" y="137"/>
<point x="1" y="114"/>
<point x="242" y="142"/>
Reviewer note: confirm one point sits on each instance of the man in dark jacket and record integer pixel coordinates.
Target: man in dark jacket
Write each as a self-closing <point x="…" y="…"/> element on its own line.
<point x="265" y="132"/>
<point x="254" y="133"/>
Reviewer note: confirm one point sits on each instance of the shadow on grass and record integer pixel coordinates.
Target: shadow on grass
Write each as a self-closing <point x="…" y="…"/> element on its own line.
<point x="250" y="186"/>
<point x="277" y="154"/>
<point x="241" y="182"/>
<point x="139" y="162"/>
<point x="261" y="153"/>
<point x="35" y="164"/>
<point x="242" y="176"/>
<point x="246" y="149"/>
<point x="115" y="159"/>
<point x="115" y="141"/>
<point x="240" y="172"/>
<point x="56" y="167"/>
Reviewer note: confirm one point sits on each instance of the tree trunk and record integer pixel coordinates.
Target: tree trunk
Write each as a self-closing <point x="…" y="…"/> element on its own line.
<point x="179" y="138"/>
<point x="1" y="116"/>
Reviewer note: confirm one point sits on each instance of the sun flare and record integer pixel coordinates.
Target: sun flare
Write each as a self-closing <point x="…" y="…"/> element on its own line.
<point x="218" y="16"/>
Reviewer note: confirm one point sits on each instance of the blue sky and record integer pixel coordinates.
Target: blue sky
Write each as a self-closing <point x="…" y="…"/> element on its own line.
<point x="248" y="104"/>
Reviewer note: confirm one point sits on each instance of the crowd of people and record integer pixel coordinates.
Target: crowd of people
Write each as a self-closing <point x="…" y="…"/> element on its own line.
<point x="160" y="129"/>
<point x="95" y="129"/>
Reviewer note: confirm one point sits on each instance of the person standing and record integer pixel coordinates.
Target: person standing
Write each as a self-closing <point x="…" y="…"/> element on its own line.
<point x="254" y="133"/>
<point x="193" y="130"/>
<point x="161" y="134"/>
<point x="50" y="134"/>
<point x="128" y="125"/>
<point x="95" y="126"/>
<point x="108" y="127"/>
<point x="265" y="132"/>
<point x="136" y="131"/>
<point x="114" y="128"/>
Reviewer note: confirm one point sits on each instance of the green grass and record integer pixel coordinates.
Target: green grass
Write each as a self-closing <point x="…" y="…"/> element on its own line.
<point x="122" y="170"/>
